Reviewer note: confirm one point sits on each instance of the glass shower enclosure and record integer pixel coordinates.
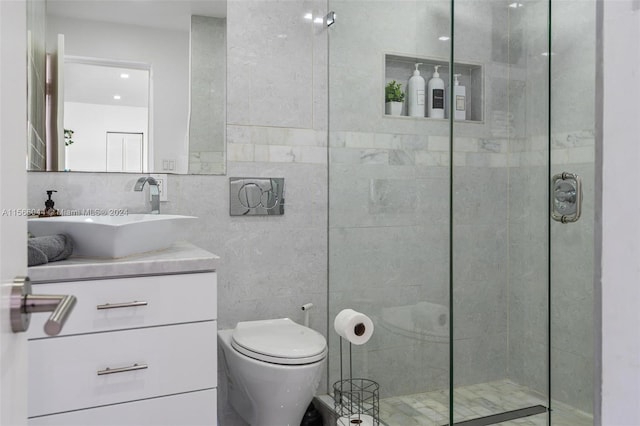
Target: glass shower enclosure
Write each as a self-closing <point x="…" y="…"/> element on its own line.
<point x="439" y="228"/>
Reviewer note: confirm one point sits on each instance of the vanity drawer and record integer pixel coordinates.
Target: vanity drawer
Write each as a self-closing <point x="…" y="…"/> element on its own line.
<point x="170" y="299"/>
<point x="63" y="372"/>
<point x="187" y="409"/>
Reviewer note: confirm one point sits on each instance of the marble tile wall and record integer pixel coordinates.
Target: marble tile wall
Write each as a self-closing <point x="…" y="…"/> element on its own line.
<point x="208" y="95"/>
<point x="262" y="89"/>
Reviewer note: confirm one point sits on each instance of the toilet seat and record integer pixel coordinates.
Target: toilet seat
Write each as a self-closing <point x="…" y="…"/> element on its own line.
<point x="279" y="341"/>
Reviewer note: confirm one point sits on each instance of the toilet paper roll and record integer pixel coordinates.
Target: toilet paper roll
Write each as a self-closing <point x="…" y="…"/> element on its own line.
<point x="356" y="420"/>
<point x="354" y="326"/>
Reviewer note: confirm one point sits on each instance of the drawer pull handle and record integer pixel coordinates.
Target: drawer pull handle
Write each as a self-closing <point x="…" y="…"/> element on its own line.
<point x="133" y="367"/>
<point x="121" y="305"/>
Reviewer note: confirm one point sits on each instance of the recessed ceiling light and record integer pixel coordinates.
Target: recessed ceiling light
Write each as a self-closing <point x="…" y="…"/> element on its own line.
<point x="318" y="20"/>
<point x="116" y="97"/>
<point x="308" y="16"/>
<point x="124" y="75"/>
<point x="443" y="38"/>
<point x="515" y="5"/>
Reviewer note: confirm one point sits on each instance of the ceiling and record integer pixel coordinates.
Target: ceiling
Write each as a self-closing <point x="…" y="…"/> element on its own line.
<point x="168" y="14"/>
<point x="97" y="84"/>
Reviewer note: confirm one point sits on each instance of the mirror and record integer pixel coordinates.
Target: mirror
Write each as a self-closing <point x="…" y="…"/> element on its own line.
<point x="102" y="98"/>
<point x="128" y="85"/>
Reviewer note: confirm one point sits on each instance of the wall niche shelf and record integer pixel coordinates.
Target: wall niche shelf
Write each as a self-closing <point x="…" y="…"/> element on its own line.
<point x="400" y="67"/>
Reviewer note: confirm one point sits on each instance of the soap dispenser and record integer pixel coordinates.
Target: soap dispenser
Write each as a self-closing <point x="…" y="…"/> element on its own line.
<point x="48" y="204"/>
<point x="415" y="91"/>
<point x="460" y="97"/>
<point x="435" y="93"/>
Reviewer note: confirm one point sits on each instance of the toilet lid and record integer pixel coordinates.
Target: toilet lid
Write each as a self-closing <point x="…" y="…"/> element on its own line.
<point x="279" y="341"/>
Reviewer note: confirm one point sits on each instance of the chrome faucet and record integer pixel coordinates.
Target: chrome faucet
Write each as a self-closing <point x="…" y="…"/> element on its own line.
<point x="153" y="189"/>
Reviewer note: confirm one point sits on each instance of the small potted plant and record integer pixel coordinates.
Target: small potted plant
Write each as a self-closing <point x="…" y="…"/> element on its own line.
<point x="68" y="135"/>
<point x="394" y="96"/>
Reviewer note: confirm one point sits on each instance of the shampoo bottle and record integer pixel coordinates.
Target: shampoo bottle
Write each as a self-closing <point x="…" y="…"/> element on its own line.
<point x="460" y="99"/>
<point x="415" y="91"/>
<point x="435" y="93"/>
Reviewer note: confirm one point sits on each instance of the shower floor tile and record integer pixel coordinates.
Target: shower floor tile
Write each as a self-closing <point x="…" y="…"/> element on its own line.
<point x="431" y="408"/>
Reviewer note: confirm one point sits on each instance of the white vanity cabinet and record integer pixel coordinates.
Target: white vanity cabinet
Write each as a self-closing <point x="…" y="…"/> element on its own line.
<point x="135" y="351"/>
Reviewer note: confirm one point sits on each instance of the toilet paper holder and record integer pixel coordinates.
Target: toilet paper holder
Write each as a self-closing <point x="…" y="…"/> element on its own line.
<point x="356" y="400"/>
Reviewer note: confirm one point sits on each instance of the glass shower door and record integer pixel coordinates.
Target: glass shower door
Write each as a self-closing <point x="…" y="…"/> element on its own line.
<point x="439" y="228"/>
<point x="389" y="205"/>
<point x="500" y="238"/>
<point x="573" y="151"/>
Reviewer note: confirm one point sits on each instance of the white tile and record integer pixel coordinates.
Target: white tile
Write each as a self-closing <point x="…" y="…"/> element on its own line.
<point x="438" y="143"/>
<point x="585" y="154"/>
<point x="313" y="155"/>
<point x="386" y="141"/>
<point x="560" y="156"/>
<point x="432" y="158"/>
<point x="301" y="137"/>
<point x="261" y="153"/>
<point x="465" y="144"/>
<point x="459" y="159"/>
<point x="238" y="134"/>
<point x="240" y="152"/>
<point x="284" y="154"/>
<point x="359" y="140"/>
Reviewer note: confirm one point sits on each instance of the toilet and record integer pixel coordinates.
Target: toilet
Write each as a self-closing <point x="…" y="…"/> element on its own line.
<point x="273" y="369"/>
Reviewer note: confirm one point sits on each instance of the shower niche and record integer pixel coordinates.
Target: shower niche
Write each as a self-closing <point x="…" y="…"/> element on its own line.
<point x="400" y="68"/>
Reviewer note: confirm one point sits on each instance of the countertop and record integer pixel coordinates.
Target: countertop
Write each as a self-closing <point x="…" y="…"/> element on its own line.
<point x="181" y="257"/>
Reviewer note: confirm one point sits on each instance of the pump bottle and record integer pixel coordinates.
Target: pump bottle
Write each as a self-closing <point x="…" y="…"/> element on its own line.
<point x="460" y="99"/>
<point x="415" y="90"/>
<point x="435" y="93"/>
<point x="48" y="204"/>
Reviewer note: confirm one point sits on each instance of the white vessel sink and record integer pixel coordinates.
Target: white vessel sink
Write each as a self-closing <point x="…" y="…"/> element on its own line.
<point x="113" y="236"/>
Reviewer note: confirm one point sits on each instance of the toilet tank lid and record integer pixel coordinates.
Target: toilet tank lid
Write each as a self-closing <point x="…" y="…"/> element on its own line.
<point x="280" y="338"/>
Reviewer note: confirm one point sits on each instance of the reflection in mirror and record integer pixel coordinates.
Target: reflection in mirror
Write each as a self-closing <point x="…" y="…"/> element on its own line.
<point x="207" y="123"/>
<point x="180" y="44"/>
<point x="106" y="110"/>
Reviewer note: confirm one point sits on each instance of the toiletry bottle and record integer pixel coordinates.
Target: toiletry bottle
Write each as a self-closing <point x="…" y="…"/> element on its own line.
<point x="460" y="99"/>
<point x="435" y="93"/>
<point x="48" y="204"/>
<point x="415" y="91"/>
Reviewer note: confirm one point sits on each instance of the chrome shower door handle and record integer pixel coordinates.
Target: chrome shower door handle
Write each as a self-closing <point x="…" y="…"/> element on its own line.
<point x="566" y="194"/>
<point x="23" y="304"/>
